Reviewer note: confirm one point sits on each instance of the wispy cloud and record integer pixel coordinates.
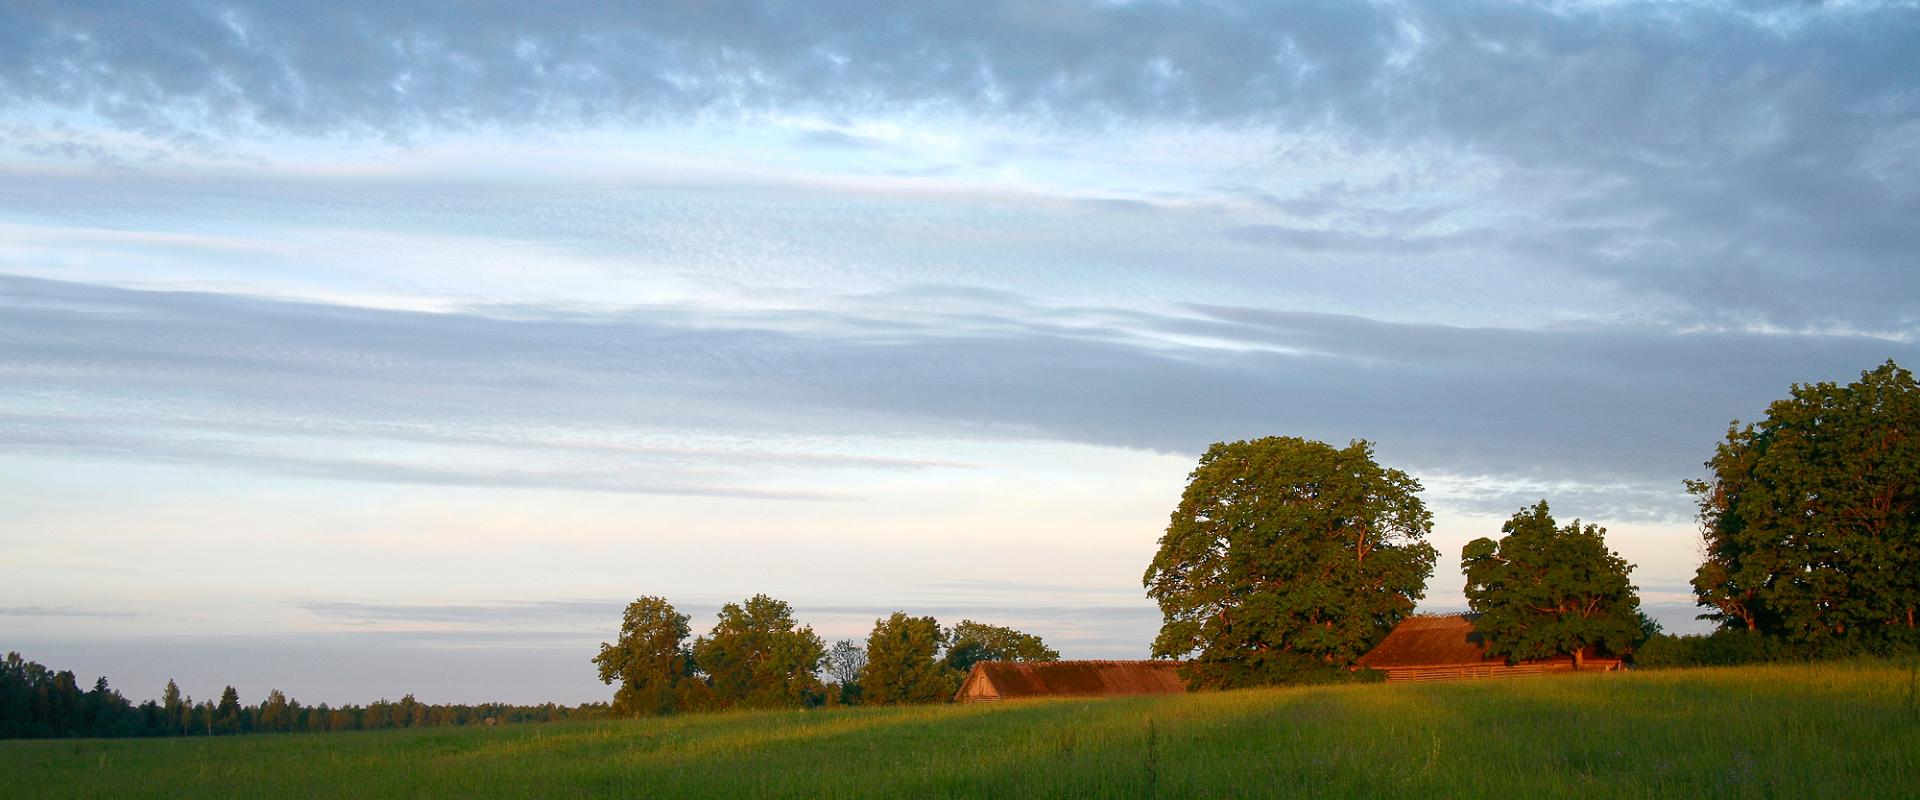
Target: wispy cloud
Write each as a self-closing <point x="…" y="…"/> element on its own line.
<point x="63" y="611"/>
<point x="377" y="395"/>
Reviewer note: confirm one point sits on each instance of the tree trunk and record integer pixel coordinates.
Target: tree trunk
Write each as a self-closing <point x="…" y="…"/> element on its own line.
<point x="1579" y="659"/>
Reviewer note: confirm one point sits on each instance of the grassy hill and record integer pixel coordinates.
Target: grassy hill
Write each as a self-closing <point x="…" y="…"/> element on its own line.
<point x="1821" y="730"/>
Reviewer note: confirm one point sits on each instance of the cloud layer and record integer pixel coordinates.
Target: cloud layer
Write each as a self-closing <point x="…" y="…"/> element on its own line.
<point x="1752" y="162"/>
<point x="622" y="401"/>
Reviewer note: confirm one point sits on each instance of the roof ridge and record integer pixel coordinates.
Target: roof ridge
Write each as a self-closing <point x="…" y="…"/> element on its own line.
<point x="1097" y="661"/>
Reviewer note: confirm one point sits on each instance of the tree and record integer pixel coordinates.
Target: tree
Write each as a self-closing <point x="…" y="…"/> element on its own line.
<point x="1542" y="591"/>
<point x="175" y="716"/>
<point x="845" y="661"/>
<point x="1810" y="518"/>
<point x="1287" y="557"/>
<point x="977" y="641"/>
<point x="227" y="716"/>
<point x="650" y="659"/>
<point x="902" y="662"/>
<point x="276" y="714"/>
<point x="757" y="657"/>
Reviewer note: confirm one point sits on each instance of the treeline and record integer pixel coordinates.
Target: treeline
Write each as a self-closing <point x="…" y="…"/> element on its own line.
<point x="758" y="656"/>
<point x="39" y="703"/>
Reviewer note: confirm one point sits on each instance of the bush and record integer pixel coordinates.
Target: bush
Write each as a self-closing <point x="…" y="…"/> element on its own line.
<point x="1722" y="648"/>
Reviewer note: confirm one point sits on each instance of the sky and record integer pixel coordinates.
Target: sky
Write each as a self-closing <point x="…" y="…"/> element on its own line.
<point x="364" y="348"/>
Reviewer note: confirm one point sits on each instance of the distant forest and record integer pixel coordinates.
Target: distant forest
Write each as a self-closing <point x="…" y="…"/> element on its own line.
<point x="39" y="703"/>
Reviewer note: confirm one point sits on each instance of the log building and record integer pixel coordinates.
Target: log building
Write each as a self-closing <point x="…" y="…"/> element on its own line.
<point x="1440" y="647"/>
<point x="1005" y="680"/>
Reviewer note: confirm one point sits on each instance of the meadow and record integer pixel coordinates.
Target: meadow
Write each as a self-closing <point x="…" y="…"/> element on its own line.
<point x="1847" y="729"/>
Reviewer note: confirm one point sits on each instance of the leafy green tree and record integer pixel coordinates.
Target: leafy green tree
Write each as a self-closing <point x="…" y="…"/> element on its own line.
<point x="1542" y="591"/>
<point x="977" y="641"/>
<point x="903" y="663"/>
<point x="756" y="656"/>
<point x="1287" y="557"/>
<point x="650" y="659"/>
<point x="1810" y="518"/>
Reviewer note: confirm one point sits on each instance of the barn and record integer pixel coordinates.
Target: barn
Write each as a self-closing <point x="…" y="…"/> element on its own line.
<point x="1439" y="647"/>
<point x="1006" y="680"/>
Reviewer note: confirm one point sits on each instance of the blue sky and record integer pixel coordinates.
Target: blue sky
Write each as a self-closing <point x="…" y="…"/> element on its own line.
<point x="356" y="349"/>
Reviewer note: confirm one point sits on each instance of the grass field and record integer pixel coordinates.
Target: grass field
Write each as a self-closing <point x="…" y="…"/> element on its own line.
<point x="1789" y="731"/>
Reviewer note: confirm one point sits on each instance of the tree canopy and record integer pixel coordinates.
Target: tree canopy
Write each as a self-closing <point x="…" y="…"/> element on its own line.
<point x="972" y="642"/>
<point x="756" y="656"/>
<point x="1543" y="591"/>
<point x="1287" y="555"/>
<point x="650" y="659"/>
<point x="1810" y="518"/>
<point x="902" y="662"/>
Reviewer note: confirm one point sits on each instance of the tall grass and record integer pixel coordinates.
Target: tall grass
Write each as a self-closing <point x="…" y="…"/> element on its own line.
<point x="1783" y="730"/>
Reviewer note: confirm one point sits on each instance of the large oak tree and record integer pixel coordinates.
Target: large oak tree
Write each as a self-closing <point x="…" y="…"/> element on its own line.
<point x="1287" y="556"/>
<point x="757" y="656"/>
<point x="1811" y="517"/>
<point x="650" y="659"/>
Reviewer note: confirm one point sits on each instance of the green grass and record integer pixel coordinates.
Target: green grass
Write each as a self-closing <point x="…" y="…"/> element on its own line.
<point x="1789" y="731"/>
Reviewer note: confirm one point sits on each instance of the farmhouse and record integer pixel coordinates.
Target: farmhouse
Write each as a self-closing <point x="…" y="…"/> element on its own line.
<point x="1441" y="647"/>
<point x="1006" y="680"/>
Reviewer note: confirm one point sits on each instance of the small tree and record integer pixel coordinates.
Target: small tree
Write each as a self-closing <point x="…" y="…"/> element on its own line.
<point x="977" y="641"/>
<point x="902" y="662"/>
<point x="227" y="720"/>
<point x="1287" y="557"/>
<point x="650" y="659"/>
<point x="171" y="703"/>
<point x="845" y="661"/>
<point x="1543" y="591"/>
<point x="757" y="657"/>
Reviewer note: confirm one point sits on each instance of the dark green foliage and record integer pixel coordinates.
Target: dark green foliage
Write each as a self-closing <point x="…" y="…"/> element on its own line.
<point x="1811" y="518"/>
<point x="1726" y="647"/>
<point x="226" y="718"/>
<point x="650" y="659"/>
<point x="38" y="703"/>
<point x="1542" y="591"/>
<point x="977" y="641"/>
<point x="903" y="664"/>
<point x="1287" y="557"/>
<point x="758" y="657"/>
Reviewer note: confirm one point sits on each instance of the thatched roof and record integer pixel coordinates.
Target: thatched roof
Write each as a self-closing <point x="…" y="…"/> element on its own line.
<point x="1011" y="680"/>
<point x="1429" y="640"/>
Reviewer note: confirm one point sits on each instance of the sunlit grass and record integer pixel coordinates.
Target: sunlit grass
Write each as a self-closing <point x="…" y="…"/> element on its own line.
<point x="1801" y="730"/>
